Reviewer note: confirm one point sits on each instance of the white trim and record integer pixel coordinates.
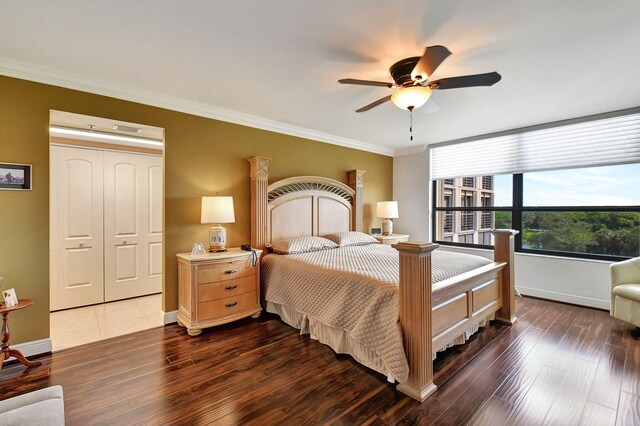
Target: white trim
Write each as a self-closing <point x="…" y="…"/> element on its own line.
<point x="567" y="298"/>
<point x="25" y="71"/>
<point x="35" y="347"/>
<point x="418" y="149"/>
<point x="170" y="317"/>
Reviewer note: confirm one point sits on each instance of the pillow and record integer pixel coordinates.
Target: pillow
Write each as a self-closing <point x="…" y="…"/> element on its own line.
<point x="351" y="238"/>
<point x="302" y="244"/>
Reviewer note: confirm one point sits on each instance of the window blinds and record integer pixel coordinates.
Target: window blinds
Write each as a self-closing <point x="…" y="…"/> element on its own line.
<point x="601" y="142"/>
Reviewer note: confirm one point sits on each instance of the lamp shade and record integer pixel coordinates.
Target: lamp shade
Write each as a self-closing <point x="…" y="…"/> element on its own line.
<point x="387" y="209"/>
<point x="218" y="209"/>
<point x="411" y="97"/>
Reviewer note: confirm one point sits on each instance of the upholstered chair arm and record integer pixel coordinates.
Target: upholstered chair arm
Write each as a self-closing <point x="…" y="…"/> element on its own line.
<point x="625" y="272"/>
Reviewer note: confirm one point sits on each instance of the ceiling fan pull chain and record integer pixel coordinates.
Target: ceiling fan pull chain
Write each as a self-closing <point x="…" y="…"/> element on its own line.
<point x="411" y="124"/>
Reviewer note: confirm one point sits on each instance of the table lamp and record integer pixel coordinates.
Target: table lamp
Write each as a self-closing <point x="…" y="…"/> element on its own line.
<point x="387" y="210"/>
<point x="217" y="210"/>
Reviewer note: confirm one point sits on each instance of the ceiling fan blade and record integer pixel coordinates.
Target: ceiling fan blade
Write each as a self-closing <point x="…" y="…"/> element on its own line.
<point x="431" y="59"/>
<point x="374" y="104"/>
<point x="365" y="82"/>
<point x="488" y="79"/>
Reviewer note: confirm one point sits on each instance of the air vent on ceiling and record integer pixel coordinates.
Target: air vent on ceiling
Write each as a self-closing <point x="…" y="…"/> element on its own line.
<point x="126" y="129"/>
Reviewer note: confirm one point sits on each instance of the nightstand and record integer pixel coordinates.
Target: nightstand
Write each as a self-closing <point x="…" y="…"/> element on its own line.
<point x="217" y="288"/>
<point x="391" y="239"/>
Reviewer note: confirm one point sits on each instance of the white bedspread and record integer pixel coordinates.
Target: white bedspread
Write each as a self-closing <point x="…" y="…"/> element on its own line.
<point x="353" y="291"/>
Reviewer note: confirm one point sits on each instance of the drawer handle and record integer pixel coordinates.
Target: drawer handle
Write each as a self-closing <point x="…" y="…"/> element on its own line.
<point x="231" y="271"/>
<point x="231" y="287"/>
<point x="231" y="305"/>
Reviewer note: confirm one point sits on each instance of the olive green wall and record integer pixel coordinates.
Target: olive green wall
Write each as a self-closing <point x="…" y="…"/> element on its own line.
<point x="202" y="157"/>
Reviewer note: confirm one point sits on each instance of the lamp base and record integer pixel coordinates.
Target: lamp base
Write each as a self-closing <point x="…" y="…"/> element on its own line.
<point x="217" y="250"/>
<point x="217" y="239"/>
<point x="387" y="227"/>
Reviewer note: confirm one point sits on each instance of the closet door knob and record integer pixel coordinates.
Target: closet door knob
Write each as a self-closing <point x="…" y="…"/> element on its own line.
<point x="81" y="245"/>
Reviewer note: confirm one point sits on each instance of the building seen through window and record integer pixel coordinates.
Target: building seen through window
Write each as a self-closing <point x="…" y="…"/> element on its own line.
<point x="466" y="226"/>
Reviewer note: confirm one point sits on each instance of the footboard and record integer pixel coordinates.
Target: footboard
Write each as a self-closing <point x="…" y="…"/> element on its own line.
<point x="431" y="316"/>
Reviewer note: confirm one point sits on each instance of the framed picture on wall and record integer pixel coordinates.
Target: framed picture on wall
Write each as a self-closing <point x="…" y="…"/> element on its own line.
<point x="15" y="176"/>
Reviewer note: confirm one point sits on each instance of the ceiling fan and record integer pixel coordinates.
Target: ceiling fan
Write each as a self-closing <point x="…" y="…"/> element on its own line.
<point x="411" y="78"/>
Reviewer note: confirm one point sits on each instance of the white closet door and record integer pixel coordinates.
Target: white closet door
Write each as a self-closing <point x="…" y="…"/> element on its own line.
<point x="77" y="277"/>
<point x="130" y="197"/>
<point x="154" y="222"/>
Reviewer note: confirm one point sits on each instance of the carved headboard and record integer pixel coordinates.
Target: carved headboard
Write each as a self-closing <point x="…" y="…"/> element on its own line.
<point x="302" y="205"/>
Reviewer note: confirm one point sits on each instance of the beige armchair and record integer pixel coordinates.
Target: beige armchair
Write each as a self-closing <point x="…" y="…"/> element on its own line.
<point x="625" y="292"/>
<point x="41" y="407"/>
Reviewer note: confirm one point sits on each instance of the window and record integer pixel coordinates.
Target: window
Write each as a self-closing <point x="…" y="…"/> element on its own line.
<point x="448" y="215"/>
<point x="592" y="211"/>
<point x="468" y="182"/>
<point x="487" y="182"/>
<point x="486" y="221"/>
<point x="448" y="181"/>
<point x="485" y="238"/>
<point x="585" y="212"/>
<point x="466" y="217"/>
<point x="465" y="238"/>
<point x="492" y="211"/>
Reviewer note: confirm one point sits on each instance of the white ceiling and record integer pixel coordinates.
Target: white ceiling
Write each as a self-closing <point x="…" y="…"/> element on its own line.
<point x="277" y="62"/>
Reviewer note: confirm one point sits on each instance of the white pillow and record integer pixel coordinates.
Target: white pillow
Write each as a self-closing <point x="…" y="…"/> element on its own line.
<point x="302" y="244"/>
<point x="351" y="238"/>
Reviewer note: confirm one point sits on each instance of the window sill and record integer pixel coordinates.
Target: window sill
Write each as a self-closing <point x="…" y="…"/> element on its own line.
<point x="526" y="254"/>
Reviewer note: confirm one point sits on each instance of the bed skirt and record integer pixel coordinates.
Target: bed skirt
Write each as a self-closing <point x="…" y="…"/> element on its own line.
<point x="341" y="342"/>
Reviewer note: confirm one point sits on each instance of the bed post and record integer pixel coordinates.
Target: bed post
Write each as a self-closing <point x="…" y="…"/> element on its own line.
<point x="259" y="199"/>
<point x="415" y="317"/>
<point x="356" y="182"/>
<point x="504" y="243"/>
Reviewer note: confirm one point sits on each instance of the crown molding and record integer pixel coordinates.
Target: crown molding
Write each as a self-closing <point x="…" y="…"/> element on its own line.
<point x="25" y="71"/>
<point x="418" y="149"/>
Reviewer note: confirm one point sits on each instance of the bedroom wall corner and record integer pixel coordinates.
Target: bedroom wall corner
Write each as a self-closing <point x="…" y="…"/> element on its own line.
<point x="412" y="192"/>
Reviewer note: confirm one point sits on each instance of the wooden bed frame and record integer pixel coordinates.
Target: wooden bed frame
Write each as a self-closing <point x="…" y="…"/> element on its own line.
<point x="430" y="316"/>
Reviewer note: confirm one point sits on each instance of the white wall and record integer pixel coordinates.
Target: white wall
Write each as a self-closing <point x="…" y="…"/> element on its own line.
<point x="579" y="281"/>
<point x="411" y="191"/>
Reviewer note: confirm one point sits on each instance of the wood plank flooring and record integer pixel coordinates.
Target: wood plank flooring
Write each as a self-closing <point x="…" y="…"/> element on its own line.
<point x="559" y="364"/>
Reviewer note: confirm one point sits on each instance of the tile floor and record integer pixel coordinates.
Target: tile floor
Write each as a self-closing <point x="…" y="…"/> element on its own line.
<point x="75" y="327"/>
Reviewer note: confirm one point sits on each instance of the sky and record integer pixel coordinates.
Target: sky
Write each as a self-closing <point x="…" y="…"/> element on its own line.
<point x="594" y="186"/>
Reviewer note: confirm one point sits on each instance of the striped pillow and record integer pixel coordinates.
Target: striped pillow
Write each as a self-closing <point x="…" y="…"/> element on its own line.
<point x="351" y="238"/>
<point x="302" y="244"/>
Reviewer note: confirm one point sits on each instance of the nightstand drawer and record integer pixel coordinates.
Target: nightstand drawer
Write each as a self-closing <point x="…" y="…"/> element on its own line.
<point x="227" y="306"/>
<point x="221" y="290"/>
<point x="225" y="271"/>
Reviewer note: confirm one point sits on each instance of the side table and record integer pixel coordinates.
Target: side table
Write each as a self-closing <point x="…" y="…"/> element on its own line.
<point x="5" y="351"/>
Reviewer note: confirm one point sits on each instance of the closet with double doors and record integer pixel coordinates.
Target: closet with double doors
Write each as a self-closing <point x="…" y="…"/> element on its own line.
<point x="106" y="225"/>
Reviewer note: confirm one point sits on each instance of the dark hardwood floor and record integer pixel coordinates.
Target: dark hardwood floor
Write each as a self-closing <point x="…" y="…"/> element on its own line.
<point x="559" y="364"/>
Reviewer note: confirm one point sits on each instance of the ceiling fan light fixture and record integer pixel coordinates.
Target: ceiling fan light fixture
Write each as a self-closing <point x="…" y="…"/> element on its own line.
<point x="411" y="97"/>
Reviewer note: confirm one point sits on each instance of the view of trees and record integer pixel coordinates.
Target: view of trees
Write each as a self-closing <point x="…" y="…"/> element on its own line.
<point x="614" y="233"/>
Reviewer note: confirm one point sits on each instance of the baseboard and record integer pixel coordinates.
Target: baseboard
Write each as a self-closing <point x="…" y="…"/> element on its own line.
<point x="35" y="347"/>
<point x="170" y="317"/>
<point x="567" y="298"/>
